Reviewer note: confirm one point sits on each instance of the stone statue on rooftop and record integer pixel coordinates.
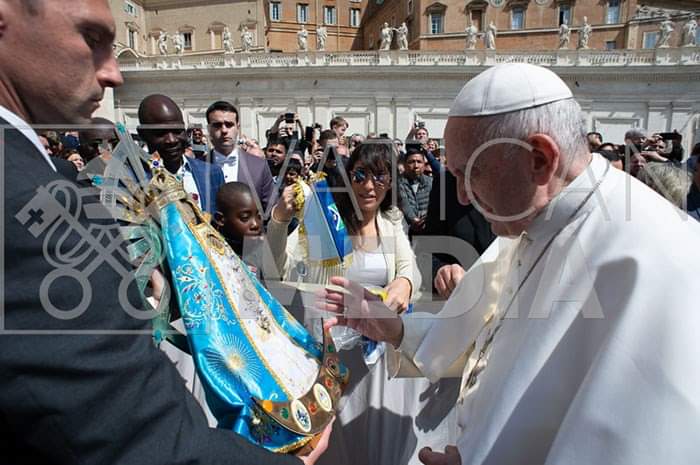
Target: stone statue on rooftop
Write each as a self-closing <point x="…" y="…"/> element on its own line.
<point x="402" y="36"/>
<point x="472" y="36"/>
<point x="387" y="35"/>
<point x="584" y="34"/>
<point x="665" y="31"/>
<point x="689" y="33"/>
<point x="321" y="36"/>
<point x="163" y="43"/>
<point x="490" y="37"/>
<point x="179" y="42"/>
<point x="303" y="39"/>
<point x="246" y="39"/>
<point x="226" y="40"/>
<point x="564" y="36"/>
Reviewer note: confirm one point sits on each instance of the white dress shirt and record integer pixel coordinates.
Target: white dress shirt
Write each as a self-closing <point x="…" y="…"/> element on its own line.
<point x="185" y="172"/>
<point x="22" y="126"/>
<point x="230" y="165"/>
<point x="589" y="354"/>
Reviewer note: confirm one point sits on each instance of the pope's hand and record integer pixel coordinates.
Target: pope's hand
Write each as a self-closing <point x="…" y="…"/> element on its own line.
<point x="320" y="447"/>
<point x="447" y="278"/>
<point x="284" y="210"/>
<point x="362" y="311"/>
<point x="450" y="457"/>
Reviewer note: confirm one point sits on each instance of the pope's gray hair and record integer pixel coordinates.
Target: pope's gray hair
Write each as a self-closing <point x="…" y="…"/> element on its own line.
<point x="561" y="120"/>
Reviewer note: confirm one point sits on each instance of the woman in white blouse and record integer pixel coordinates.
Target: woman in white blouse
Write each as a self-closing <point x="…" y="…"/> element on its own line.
<point x="375" y="419"/>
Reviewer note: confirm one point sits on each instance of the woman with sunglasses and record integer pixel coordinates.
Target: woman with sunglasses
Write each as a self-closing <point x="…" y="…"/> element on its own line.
<point x="375" y="425"/>
<point x="382" y="255"/>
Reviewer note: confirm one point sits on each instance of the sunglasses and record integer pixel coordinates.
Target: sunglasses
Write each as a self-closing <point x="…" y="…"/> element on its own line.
<point x="360" y="176"/>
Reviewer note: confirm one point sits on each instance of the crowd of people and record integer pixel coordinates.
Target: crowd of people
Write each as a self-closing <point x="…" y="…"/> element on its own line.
<point x="393" y="197"/>
<point x="572" y="341"/>
<point x="295" y="154"/>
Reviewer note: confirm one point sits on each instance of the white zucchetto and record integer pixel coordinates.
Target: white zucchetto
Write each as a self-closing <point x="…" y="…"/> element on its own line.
<point x="509" y="87"/>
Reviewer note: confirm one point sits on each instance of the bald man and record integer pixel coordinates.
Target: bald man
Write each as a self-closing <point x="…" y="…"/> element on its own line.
<point x="84" y="386"/>
<point x="163" y="129"/>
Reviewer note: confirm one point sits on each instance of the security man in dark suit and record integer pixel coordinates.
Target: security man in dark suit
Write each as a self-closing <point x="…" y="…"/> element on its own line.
<point x="81" y="379"/>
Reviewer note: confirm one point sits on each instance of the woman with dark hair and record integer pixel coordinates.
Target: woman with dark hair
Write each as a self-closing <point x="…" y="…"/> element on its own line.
<point x="375" y="425"/>
<point x="382" y="256"/>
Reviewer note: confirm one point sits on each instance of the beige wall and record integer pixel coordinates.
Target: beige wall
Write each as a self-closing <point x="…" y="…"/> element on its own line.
<point x="202" y="19"/>
<point x="122" y="20"/>
<point x="282" y="35"/>
<point x="199" y="16"/>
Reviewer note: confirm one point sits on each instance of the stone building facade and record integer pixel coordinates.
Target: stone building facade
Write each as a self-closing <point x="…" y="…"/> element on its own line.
<point x="201" y="23"/>
<point x="521" y="24"/>
<point x="341" y="18"/>
<point x="620" y="81"/>
<point x="386" y="92"/>
<point x="356" y="24"/>
<point x="274" y="23"/>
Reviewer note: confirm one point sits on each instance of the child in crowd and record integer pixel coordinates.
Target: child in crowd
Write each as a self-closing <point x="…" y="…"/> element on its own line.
<point x="293" y="172"/>
<point x="238" y="219"/>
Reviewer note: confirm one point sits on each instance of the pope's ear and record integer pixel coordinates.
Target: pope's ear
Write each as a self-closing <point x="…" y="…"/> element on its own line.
<point x="545" y="156"/>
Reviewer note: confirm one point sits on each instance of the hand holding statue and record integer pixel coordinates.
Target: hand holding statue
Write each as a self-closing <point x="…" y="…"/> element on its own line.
<point x="359" y="309"/>
<point x="320" y="448"/>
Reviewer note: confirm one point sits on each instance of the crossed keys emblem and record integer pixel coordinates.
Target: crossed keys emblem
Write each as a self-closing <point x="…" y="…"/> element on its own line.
<point x="74" y="250"/>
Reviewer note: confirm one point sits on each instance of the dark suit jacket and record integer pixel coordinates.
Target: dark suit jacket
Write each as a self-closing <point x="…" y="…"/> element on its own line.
<point x="106" y="396"/>
<point x="463" y="222"/>
<point x="208" y="178"/>
<point x="254" y="172"/>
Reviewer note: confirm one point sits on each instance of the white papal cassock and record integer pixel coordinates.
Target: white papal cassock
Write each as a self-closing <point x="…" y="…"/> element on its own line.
<point x="591" y="352"/>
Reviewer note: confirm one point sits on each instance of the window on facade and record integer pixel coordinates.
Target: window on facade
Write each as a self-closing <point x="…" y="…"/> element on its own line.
<point x="436" y="23"/>
<point x="517" y="20"/>
<point x="187" y="37"/>
<point x="410" y="6"/>
<point x="613" y="12"/>
<point x="275" y="11"/>
<point x="131" y="38"/>
<point x="329" y="14"/>
<point x="610" y="45"/>
<point x="649" y="39"/>
<point x="564" y="14"/>
<point x="477" y="19"/>
<point x="130" y="9"/>
<point x="355" y="17"/>
<point x="302" y="13"/>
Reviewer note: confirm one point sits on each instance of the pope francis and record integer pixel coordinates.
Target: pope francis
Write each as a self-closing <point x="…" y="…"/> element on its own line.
<point x="576" y="334"/>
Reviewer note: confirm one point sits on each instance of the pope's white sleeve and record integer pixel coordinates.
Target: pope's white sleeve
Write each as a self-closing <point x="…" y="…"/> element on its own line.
<point x="400" y="360"/>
